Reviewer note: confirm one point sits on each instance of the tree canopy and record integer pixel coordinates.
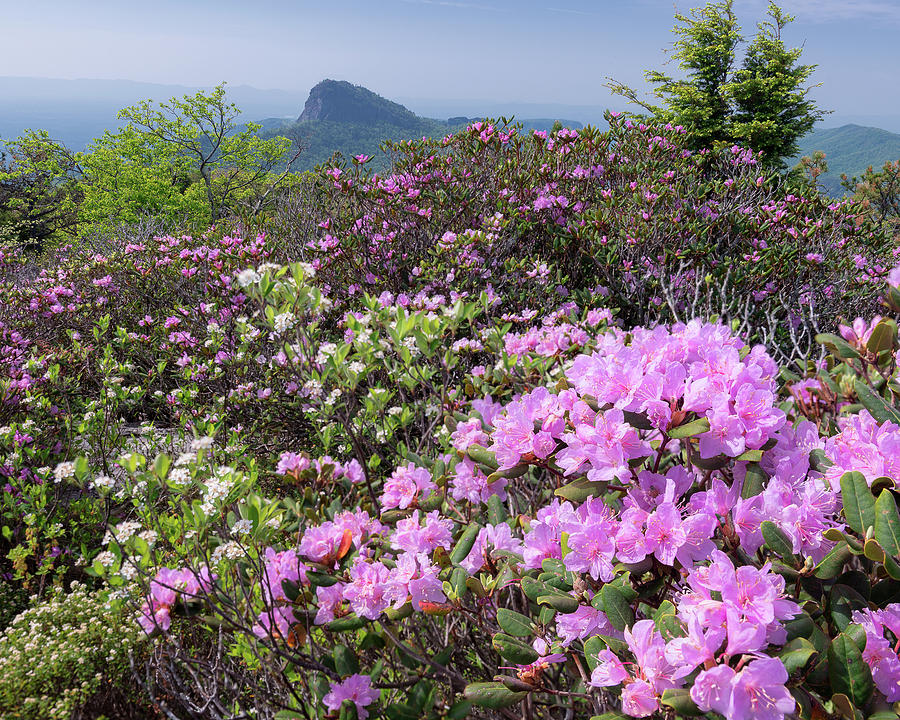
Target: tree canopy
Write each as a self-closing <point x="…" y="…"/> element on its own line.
<point x="186" y="160"/>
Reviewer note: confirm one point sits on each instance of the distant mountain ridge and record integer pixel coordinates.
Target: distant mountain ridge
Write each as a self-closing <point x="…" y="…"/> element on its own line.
<point x="850" y="149"/>
<point x="339" y="116"/>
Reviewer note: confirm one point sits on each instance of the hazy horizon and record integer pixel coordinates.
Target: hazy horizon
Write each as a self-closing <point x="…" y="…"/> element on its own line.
<point x="259" y="102"/>
<point x="485" y="50"/>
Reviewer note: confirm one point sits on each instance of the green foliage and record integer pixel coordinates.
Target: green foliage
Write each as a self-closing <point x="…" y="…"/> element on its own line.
<point x="34" y="203"/>
<point x="879" y="192"/>
<point x="772" y="110"/>
<point x="185" y="161"/>
<point x="763" y="104"/>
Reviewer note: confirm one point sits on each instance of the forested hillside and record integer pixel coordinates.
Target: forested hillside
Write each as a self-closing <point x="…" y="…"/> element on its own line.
<point x="849" y="150"/>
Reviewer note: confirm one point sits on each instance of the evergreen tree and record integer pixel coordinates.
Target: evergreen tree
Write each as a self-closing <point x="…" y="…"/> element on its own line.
<point x="762" y="104"/>
<point x="771" y="107"/>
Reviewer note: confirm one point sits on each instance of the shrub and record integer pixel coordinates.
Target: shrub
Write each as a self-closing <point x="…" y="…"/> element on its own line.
<point x="667" y="234"/>
<point x="60" y="653"/>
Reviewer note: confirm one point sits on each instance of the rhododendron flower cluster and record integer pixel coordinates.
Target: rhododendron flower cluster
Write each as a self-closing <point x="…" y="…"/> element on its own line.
<point x="357" y="689"/>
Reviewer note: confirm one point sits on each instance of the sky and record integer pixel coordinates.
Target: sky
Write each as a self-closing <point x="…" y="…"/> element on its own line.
<point x="433" y="53"/>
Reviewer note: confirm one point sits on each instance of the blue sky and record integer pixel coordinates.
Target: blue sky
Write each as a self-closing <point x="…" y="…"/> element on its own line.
<point x="552" y="51"/>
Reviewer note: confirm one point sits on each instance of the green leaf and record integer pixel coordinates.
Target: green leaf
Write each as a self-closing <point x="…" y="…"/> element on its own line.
<point x="819" y="461"/>
<point x="777" y="541"/>
<point x="892" y="567"/>
<point x="875" y="404"/>
<point x="754" y="481"/>
<point x="483" y="456"/>
<point x="345" y="660"/>
<point x="859" y="505"/>
<point x="872" y="549"/>
<point x="887" y="524"/>
<point x="696" y="427"/>
<point x="560" y="601"/>
<point x="346" y="624"/>
<point x="842" y="601"/>
<point x="580" y="490"/>
<point x="833" y="563"/>
<point x="679" y="700"/>
<point x="886" y="592"/>
<point x="493" y="695"/>
<point x="401" y="711"/>
<point x="320" y="579"/>
<point x="883" y="715"/>
<point x="496" y="510"/>
<point x="533" y="588"/>
<point x="883" y="336"/>
<point x="796" y="654"/>
<point x="616" y="607"/>
<point x="750" y="456"/>
<point x="837" y="345"/>
<point x="459" y="710"/>
<point x="848" y="672"/>
<point x="464" y="544"/>
<point x="670" y="627"/>
<point x="592" y="646"/>
<point x="514" y="623"/>
<point x="513" y="649"/>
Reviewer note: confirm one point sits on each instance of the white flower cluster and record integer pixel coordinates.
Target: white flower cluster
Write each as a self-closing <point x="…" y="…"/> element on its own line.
<point x="332" y="397"/>
<point x="185" y="459"/>
<point x="241" y="527"/>
<point x="230" y="550"/>
<point x="248" y="277"/>
<point x="180" y="476"/>
<point x="326" y="350"/>
<point x="121" y="532"/>
<point x="103" y="482"/>
<point x="283" y="322"/>
<point x="217" y="488"/>
<point x="63" y="471"/>
<point x="203" y="443"/>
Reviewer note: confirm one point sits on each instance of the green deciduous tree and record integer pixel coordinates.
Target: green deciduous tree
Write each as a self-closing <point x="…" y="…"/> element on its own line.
<point x="200" y="136"/>
<point x="186" y="161"/>
<point x="763" y="103"/>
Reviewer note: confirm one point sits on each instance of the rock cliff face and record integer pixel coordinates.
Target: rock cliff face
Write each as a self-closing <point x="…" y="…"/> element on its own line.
<point x="340" y="101"/>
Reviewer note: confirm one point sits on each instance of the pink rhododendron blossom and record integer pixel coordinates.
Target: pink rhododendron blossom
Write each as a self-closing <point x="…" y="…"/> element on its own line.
<point x="406" y="486"/>
<point x="489" y="539"/>
<point x="865" y="446"/>
<point x="357" y="689"/>
<point x="880" y="652"/>
<point x="367" y="590"/>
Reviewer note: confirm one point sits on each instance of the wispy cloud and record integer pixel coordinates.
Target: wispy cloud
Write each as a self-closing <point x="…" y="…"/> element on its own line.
<point x="453" y="4"/>
<point x="570" y="11"/>
<point x="838" y="10"/>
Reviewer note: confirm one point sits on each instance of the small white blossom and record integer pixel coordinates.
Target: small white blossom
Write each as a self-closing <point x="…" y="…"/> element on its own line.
<point x="248" y="277"/>
<point x="203" y="443"/>
<point x="64" y="470"/>
<point x="241" y="527"/>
